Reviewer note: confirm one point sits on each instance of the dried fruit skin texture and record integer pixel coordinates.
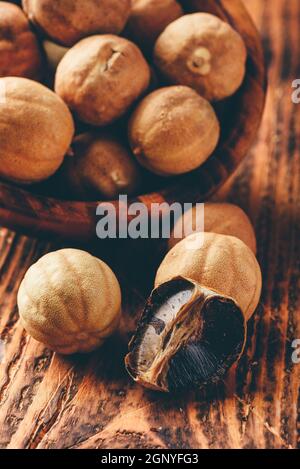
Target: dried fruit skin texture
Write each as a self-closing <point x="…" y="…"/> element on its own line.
<point x="36" y="129"/>
<point x="223" y="264"/>
<point x="204" y="52"/>
<point x="70" y="301"/>
<point x="68" y="21"/>
<point x="194" y="324"/>
<point x="148" y="19"/>
<point x="101" y="167"/>
<point x="221" y="218"/>
<point x="101" y="77"/>
<point x="19" y="48"/>
<point x="173" y="131"/>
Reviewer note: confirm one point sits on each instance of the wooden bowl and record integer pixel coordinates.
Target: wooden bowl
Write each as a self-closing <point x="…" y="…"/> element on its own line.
<point x="23" y="210"/>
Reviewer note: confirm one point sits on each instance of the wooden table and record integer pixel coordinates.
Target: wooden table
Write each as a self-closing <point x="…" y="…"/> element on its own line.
<point x="47" y="401"/>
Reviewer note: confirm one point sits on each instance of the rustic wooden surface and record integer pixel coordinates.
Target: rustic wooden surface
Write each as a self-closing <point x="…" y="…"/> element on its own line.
<point x="47" y="401"/>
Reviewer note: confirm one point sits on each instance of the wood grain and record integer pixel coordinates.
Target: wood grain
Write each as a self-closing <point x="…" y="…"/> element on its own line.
<point x="47" y="401"/>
